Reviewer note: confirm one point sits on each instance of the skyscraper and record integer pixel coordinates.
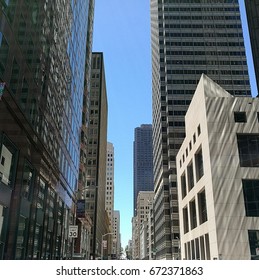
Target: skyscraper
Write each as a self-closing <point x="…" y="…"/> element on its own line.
<point x="252" y="12"/>
<point x="42" y="65"/>
<point x="96" y="155"/>
<point x="143" y="161"/>
<point x="188" y="38"/>
<point x="109" y="193"/>
<point x="117" y="235"/>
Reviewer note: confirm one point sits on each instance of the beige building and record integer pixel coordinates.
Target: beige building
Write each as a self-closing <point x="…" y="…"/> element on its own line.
<point x="218" y="176"/>
<point x="116" y="234"/>
<point x="109" y="195"/>
<point x="139" y="225"/>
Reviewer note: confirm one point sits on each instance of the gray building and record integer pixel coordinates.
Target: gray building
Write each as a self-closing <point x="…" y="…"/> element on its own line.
<point x="188" y="38"/>
<point x="143" y="161"/>
<point x="96" y="156"/>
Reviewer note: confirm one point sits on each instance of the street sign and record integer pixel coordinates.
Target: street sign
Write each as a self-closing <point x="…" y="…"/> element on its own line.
<point x="73" y="231"/>
<point x="104" y="244"/>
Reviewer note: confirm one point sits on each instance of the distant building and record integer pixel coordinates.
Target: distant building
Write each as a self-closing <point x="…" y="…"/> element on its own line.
<point x="117" y="235"/>
<point x="109" y="197"/>
<point x="140" y="240"/>
<point x="218" y="182"/>
<point x="143" y="161"/>
<point x="109" y="193"/>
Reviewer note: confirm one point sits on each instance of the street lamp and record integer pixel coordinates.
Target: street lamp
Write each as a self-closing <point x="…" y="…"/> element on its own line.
<point x="102" y="242"/>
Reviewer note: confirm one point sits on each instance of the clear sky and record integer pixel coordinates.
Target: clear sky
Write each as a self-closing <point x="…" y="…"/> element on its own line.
<point x="122" y="33"/>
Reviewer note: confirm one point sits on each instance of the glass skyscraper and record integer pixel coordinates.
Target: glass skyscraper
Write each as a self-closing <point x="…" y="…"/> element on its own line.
<point x="42" y="65"/>
<point x="188" y="38"/>
<point x="252" y="13"/>
<point x="142" y="161"/>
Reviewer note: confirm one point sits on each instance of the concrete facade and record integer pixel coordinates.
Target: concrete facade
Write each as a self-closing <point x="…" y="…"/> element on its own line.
<point x="218" y="172"/>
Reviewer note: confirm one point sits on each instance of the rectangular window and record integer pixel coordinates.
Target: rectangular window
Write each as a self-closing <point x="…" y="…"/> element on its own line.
<point x="185" y="220"/>
<point x="248" y="148"/>
<point x="240" y="117"/>
<point x="207" y="245"/>
<point x="8" y="155"/>
<point x="199" y="164"/>
<point x="253" y="236"/>
<point x="202" y="207"/>
<point x="4" y="49"/>
<point x="251" y="197"/>
<point x="27" y="181"/>
<point x="193" y="215"/>
<point x="190" y="176"/>
<point x="14" y="76"/>
<point x="21" y="238"/>
<point x="183" y="185"/>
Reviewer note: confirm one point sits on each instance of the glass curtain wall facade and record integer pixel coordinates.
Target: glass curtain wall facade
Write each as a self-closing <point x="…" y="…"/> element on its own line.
<point x="42" y="64"/>
<point x="188" y="38"/>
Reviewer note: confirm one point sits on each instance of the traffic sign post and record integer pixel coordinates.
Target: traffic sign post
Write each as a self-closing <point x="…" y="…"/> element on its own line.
<point x="73" y="231"/>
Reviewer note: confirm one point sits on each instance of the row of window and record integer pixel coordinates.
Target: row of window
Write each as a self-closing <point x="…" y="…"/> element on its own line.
<point x="201" y="35"/>
<point x="187" y="182"/>
<point x="200" y="9"/>
<point x="204" y="62"/>
<point x="209" y="72"/>
<point x="201" y="43"/>
<point x="211" y="25"/>
<point x="199" y="18"/>
<point x="198" y="248"/>
<point x="195" y="213"/>
<point x="204" y="53"/>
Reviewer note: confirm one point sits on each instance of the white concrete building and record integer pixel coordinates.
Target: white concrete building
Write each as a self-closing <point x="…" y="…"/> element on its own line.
<point x="218" y="176"/>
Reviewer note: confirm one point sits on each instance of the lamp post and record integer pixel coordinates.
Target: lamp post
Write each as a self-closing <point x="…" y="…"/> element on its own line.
<point x="102" y="242"/>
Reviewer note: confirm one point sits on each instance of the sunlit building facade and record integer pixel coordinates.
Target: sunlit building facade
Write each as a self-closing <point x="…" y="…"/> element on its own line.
<point x="217" y="169"/>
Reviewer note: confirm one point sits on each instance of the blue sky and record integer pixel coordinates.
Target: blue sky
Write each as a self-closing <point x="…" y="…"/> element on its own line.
<point x="122" y="33"/>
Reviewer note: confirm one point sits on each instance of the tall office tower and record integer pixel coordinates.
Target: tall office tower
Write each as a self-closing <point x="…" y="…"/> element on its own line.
<point x="116" y="231"/>
<point x="42" y="66"/>
<point x="188" y="38"/>
<point x="142" y="161"/>
<point x="109" y="197"/>
<point x="252" y="12"/>
<point x="96" y="156"/>
<point x="109" y="193"/>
